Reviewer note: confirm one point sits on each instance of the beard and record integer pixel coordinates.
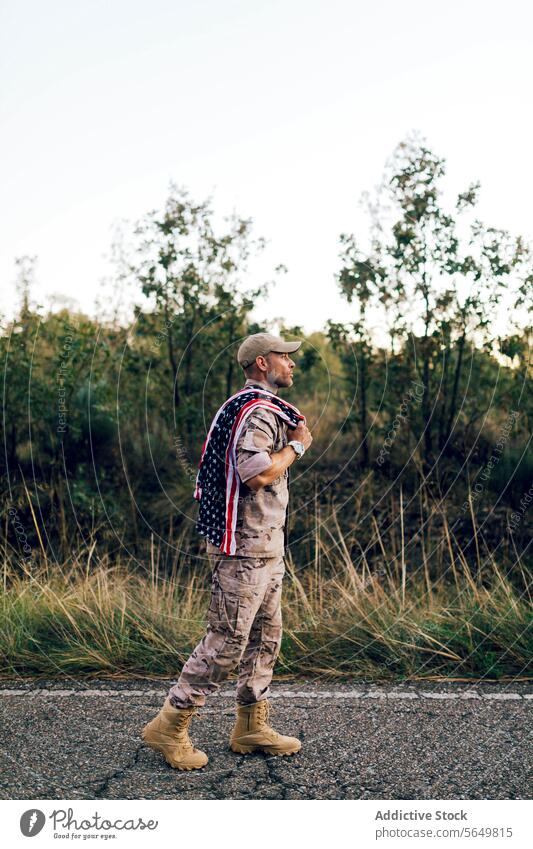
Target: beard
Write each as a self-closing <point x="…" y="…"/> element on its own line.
<point x="272" y="378"/>
<point x="277" y="380"/>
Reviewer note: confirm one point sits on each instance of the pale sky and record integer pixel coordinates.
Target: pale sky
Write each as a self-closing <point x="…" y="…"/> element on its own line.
<point x="284" y="111"/>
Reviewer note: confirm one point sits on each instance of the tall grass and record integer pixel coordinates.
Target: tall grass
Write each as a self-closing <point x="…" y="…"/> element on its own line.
<point x="95" y="617"/>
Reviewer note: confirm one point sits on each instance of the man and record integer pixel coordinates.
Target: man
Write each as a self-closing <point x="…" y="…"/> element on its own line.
<point x="242" y="486"/>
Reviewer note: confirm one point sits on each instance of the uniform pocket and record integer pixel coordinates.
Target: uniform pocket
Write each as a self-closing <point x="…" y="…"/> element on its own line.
<point x="243" y="576"/>
<point x="235" y="598"/>
<point x="231" y="611"/>
<point x="224" y="612"/>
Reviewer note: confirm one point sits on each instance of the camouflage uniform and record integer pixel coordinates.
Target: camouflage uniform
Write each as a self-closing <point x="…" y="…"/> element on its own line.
<point x="244" y="619"/>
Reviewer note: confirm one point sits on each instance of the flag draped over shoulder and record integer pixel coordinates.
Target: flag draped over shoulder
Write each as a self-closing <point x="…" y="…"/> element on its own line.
<point x="217" y="481"/>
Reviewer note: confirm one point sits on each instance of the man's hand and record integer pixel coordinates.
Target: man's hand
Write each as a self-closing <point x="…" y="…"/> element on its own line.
<point x="301" y="434"/>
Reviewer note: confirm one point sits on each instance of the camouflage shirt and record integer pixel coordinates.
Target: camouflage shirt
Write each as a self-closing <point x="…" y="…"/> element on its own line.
<point x="261" y="515"/>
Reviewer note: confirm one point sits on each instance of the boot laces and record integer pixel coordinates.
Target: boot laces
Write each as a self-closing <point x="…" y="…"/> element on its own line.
<point x="263" y="712"/>
<point x="182" y="722"/>
<point x="182" y="727"/>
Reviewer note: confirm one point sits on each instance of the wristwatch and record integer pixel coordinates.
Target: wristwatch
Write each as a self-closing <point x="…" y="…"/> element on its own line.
<point x="298" y="447"/>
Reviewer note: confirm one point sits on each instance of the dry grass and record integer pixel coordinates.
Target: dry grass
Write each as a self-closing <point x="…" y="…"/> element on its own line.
<point x="97" y="618"/>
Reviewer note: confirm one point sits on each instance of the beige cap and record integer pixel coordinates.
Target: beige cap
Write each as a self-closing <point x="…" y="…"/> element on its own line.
<point x="261" y="344"/>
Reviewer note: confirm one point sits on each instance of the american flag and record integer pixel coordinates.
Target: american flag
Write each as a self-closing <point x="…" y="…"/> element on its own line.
<point x="217" y="480"/>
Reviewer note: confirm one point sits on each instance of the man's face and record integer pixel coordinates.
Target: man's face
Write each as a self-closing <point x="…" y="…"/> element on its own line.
<point x="280" y="369"/>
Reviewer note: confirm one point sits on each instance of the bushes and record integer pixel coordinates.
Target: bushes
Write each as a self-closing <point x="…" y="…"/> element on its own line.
<point x="337" y="624"/>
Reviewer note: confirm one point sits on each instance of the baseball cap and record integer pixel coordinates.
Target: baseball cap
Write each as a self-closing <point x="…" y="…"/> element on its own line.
<point x="260" y="344"/>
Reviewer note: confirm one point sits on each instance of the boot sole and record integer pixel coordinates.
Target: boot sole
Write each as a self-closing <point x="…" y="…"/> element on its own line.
<point x="268" y="750"/>
<point x="159" y="749"/>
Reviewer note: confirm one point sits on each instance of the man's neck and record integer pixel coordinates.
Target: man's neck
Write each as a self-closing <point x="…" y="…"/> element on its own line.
<point x="264" y="384"/>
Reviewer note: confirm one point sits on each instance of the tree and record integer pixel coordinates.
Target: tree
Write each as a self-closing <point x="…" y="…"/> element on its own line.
<point x="438" y="276"/>
<point x="191" y="276"/>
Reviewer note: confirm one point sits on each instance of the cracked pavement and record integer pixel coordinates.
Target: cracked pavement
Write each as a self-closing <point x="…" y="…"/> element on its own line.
<point x="65" y="739"/>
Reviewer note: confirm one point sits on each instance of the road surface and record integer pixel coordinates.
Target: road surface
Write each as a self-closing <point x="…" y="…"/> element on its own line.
<point x="68" y="739"/>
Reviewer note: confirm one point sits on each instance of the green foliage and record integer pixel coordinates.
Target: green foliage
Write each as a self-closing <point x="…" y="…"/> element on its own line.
<point x="116" y="621"/>
<point x="435" y="280"/>
<point x="105" y="423"/>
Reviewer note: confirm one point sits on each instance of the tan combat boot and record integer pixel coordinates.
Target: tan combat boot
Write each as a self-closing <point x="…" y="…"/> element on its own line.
<point x="253" y="733"/>
<point x="168" y="733"/>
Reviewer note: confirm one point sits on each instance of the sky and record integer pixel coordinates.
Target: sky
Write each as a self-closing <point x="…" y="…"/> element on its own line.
<point x="284" y="112"/>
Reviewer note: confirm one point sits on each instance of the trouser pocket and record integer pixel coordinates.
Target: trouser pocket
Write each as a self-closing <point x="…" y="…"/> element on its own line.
<point x="235" y="597"/>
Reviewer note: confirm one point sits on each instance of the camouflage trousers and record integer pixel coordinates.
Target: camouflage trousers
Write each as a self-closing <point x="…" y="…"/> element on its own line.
<point x="243" y="630"/>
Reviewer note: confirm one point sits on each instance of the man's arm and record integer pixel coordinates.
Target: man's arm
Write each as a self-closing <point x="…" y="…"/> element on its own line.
<point x="281" y="460"/>
<point x="256" y="444"/>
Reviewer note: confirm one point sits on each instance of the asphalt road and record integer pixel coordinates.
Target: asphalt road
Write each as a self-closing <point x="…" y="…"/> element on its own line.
<point x="67" y="739"/>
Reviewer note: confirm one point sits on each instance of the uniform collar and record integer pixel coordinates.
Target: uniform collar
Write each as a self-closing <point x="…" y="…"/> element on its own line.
<point x="260" y="383"/>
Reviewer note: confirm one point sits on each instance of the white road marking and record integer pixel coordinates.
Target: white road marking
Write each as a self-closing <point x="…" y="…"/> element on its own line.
<point x="501" y="696"/>
<point x="440" y="695"/>
<point x="282" y="694"/>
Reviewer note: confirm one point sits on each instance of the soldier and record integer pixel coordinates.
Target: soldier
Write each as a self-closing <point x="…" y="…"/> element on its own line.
<point x="244" y="619"/>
